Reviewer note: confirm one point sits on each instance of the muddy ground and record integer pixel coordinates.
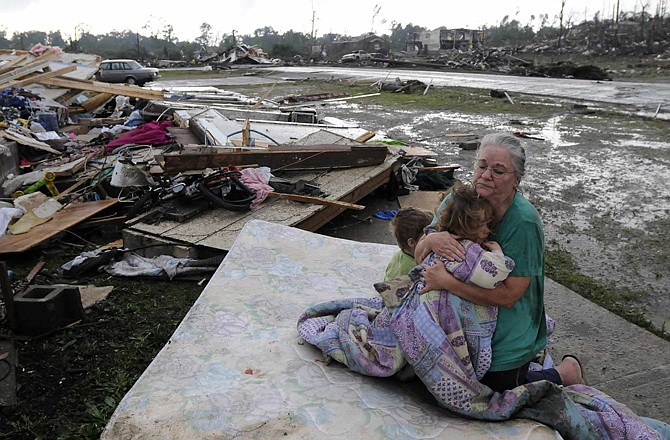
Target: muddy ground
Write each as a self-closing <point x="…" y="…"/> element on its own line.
<point x="599" y="177"/>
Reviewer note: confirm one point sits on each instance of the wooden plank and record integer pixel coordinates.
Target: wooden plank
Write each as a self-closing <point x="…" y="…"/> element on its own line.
<point x="411" y="151"/>
<point x="24" y="70"/>
<point x="183" y="136"/>
<point x="33" y="273"/>
<point x="11" y="64"/>
<point x="95" y="86"/>
<point x="288" y="157"/>
<point x="440" y="168"/>
<point x="61" y="221"/>
<point x="25" y="140"/>
<point x="316" y="200"/>
<point x="36" y="78"/>
<point x="365" y="136"/>
<point x="96" y="101"/>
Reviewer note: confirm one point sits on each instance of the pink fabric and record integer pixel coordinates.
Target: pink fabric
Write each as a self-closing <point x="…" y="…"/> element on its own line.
<point x="152" y="133"/>
<point x="256" y="182"/>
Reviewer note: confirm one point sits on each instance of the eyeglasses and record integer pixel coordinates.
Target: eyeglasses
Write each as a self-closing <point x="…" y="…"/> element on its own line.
<point x="496" y="173"/>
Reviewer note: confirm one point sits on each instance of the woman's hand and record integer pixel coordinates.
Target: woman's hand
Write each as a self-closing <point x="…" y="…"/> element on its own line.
<point x="436" y="277"/>
<point x="443" y="244"/>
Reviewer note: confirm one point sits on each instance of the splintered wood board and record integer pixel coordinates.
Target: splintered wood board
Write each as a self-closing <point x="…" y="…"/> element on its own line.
<point x="61" y="221"/>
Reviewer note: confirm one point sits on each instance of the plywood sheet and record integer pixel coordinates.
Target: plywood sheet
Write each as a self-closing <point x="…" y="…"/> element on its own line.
<point x="61" y="221"/>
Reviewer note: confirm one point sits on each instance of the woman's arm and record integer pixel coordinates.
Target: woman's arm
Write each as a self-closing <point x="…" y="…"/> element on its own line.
<point x="442" y="243"/>
<point x="504" y="295"/>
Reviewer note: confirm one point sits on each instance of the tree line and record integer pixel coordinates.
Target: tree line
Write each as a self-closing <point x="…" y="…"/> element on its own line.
<point x="624" y="31"/>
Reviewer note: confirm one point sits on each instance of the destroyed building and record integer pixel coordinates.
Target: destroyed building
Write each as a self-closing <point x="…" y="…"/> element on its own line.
<point x="370" y="43"/>
<point x="432" y="42"/>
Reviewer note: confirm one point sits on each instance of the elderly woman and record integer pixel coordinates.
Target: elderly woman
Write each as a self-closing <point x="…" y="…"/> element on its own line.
<point x="521" y="327"/>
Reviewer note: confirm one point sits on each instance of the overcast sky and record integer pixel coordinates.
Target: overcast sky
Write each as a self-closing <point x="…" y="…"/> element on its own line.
<point x="347" y="17"/>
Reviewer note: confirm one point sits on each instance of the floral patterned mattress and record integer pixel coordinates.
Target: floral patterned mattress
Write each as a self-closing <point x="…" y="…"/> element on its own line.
<point x="236" y="367"/>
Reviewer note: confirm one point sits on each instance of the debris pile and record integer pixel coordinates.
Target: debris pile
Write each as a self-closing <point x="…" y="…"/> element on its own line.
<point x="498" y="60"/>
<point x="79" y="151"/>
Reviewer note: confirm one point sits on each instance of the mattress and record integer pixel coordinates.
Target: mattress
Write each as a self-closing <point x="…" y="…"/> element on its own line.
<point x="236" y="367"/>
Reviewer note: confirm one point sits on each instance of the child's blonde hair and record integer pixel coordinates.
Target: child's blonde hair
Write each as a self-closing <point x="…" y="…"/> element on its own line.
<point x="465" y="212"/>
<point x="409" y="223"/>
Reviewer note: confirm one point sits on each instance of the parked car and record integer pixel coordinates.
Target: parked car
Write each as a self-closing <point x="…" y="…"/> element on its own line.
<point x="125" y="71"/>
<point x="355" y="56"/>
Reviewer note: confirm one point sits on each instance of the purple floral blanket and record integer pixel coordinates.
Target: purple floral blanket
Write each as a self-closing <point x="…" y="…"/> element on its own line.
<point x="447" y="342"/>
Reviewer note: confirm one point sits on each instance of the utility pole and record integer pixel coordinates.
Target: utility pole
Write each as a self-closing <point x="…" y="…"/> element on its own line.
<point x="139" y="55"/>
<point x="313" y="34"/>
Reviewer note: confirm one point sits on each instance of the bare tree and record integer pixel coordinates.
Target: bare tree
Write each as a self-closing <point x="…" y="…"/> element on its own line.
<point x="205" y="34"/>
<point x="375" y="11"/>
<point x="560" y="20"/>
<point x="643" y="6"/>
<point x="168" y="31"/>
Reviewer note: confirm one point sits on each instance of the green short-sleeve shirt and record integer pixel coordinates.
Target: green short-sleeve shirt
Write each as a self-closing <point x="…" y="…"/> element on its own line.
<point x="521" y="330"/>
<point x="400" y="264"/>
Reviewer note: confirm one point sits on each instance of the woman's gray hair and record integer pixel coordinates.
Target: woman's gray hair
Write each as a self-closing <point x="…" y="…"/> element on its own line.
<point x="512" y="144"/>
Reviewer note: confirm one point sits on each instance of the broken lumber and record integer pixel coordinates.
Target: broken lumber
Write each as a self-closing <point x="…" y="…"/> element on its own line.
<point x="36" y="78"/>
<point x="33" y="273"/>
<point x="11" y="64"/>
<point x="96" y="86"/>
<point x="315" y="200"/>
<point x="96" y="101"/>
<point x="25" y="140"/>
<point x="23" y="71"/>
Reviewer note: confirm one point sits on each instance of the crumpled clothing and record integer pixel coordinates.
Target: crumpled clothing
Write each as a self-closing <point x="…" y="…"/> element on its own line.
<point x="257" y="180"/>
<point x="160" y="266"/>
<point x="134" y="119"/>
<point x="89" y="261"/>
<point x="151" y="133"/>
<point x="408" y="176"/>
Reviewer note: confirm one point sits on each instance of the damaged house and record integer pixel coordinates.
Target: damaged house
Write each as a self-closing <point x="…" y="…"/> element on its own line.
<point x="370" y="43"/>
<point x="432" y="42"/>
<point x="240" y="54"/>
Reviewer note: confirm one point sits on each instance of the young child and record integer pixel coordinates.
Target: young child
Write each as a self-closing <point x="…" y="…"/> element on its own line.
<point x="407" y="227"/>
<point x="470" y="218"/>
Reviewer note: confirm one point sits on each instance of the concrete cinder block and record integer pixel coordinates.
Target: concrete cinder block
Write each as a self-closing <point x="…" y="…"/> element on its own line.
<point x="40" y="309"/>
